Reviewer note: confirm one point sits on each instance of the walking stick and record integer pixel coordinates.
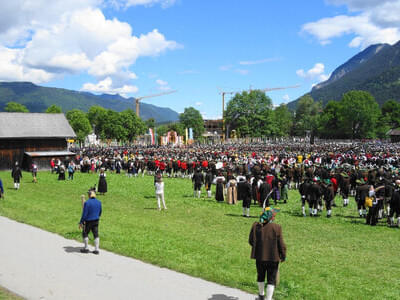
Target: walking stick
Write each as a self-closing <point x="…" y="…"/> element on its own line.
<point x="266" y="198"/>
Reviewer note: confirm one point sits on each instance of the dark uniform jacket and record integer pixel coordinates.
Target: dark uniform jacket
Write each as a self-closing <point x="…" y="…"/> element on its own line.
<point x="267" y="242"/>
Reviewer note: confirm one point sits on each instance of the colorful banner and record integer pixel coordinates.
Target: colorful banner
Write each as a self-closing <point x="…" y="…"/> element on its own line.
<point x="151" y="132"/>
<point x="190" y="134"/>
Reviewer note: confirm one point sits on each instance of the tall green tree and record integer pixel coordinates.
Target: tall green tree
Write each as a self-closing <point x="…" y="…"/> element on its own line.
<point x="113" y="127"/>
<point x="162" y="130"/>
<point x="79" y="123"/>
<point x="191" y="118"/>
<point x="54" y="109"/>
<point x="132" y="123"/>
<point x="250" y="114"/>
<point x="359" y="114"/>
<point x="97" y="116"/>
<point x="307" y="118"/>
<point x="16" y="107"/>
<point x="150" y="123"/>
<point x="282" y="120"/>
<point x="391" y="111"/>
<point x="330" y="121"/>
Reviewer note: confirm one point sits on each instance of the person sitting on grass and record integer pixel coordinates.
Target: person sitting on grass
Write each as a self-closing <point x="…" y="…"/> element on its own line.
<point x="90" y="222"/>
<point x="268" y="249"/>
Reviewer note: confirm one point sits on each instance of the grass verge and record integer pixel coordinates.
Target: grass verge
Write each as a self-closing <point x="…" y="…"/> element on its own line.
<point x="337" y="258"/>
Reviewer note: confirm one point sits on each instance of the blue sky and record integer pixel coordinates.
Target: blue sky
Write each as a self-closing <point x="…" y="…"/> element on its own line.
<point x="199" y="48"/>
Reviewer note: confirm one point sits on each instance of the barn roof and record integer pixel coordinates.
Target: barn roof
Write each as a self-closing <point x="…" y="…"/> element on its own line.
<point x="393" y="132"/>
<point x="34" y="125"/>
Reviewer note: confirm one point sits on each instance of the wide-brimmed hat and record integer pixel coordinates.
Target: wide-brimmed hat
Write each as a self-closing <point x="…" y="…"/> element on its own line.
<point x="268" y="213"/>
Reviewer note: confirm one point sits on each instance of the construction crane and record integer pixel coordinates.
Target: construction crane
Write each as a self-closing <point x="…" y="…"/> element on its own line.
<point x="230" y="93"/>
<point x="138" y="99"/>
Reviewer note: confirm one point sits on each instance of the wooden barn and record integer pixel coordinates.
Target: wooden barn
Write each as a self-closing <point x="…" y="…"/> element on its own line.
<point x="33" y="137"/>
<point x="394" y="135"/>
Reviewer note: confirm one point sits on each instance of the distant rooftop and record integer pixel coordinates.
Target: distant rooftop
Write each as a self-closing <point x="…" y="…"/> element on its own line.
<point x="34" y="125"/>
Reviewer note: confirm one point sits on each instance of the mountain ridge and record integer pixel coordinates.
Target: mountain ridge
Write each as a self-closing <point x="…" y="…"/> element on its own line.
<point x="37" y="98"/>
<point x="375" y="70"/>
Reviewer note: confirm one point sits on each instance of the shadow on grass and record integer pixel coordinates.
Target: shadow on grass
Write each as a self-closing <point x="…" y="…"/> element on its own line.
<point x="241" y="216"/>
<point x="222" y="297"/>
<point x="150" y="208"/>
<point x="149" y="197"/>
<point x="70" y="249"/>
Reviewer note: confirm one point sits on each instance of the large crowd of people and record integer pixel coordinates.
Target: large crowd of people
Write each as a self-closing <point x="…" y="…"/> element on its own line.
<point x="324" y="174"/>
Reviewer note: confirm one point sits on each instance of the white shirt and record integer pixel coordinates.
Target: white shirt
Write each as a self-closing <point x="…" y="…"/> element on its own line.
<point x="159" y="187"/>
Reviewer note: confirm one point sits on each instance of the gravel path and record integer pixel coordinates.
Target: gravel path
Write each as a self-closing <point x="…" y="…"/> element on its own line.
<point x="36" y="264"/>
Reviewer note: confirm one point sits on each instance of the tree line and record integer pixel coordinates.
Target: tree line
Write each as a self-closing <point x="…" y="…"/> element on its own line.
<point x="356" y="116"/>
<point x="249" y="114"/>
<point x="122" y="126"/>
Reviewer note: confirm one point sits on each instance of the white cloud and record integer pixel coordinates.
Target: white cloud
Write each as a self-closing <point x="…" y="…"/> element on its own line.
<point x="369" y="21"/>
<point x="161" y="82"/>
<point x="41" y="40"/>
<point x="316" y="72"/>
<point x="324" y="77"/>
<point x="225" y="68"/>
<point x="199" y="103"/>
<point x="242" y="71"/>
<point x="188" y="72"/>
<point x="163" y="85"/>
<point x="286" y="97"/>
<point x="11" y="68"/>
<point x="106" y="86"/>
<point x="257" y="62"/>
<point x="128" y="3"/>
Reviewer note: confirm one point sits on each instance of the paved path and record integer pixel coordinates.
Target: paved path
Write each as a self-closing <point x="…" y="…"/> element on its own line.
<point x="36" y="264"/>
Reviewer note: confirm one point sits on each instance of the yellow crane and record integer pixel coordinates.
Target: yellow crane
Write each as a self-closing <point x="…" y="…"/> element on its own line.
<point x="138" y="99"/>
<point x="230" y="93"/>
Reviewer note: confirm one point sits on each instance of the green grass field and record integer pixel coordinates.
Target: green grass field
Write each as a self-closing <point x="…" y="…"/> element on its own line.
<point x="7" y="295"/>
<point x="337" y="258"/>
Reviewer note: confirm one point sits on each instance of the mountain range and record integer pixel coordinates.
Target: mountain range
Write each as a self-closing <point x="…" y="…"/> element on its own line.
<point x="375" y="70"/>
<point x="38" y="99"/>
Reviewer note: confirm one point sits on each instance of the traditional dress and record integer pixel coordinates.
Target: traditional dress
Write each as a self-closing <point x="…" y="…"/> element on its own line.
<point x="219" y="192"/>
<point x="102" y="188"/>
<point x="232" y="192"/>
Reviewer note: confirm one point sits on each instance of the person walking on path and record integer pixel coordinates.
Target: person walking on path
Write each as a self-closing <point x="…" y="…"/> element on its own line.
<point x="90" y="222"/>
<point x="159" y="186"/>
<point x="1" y="189"/>
<point x="268" y="249"/>
<point x="16" y="174"/>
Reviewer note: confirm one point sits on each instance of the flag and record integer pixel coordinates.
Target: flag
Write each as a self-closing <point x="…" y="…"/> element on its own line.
<point x="190" y="134"/>
<point x="151" y="132"/>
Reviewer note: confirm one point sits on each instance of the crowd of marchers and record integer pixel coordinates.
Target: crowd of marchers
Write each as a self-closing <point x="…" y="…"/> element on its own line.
<point x="326" y="174"/>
